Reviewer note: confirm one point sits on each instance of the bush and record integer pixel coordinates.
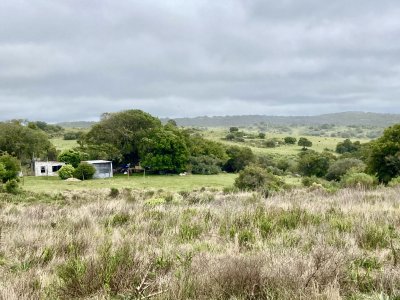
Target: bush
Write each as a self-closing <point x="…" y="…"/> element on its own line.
<point x="290" y="140"/>
<point x="356" y="180"/>
<point x="84" y="171"/>
<point x="114" y="192"/>
<point x="343" y="166"/>
<point x="313" y="163"/>
<point x="304" y="142"/>
<point x="12" y="187"/>
<point x="239" y="158"/>
<point x="394" y="182"/>
<point x="66" y="172"/>
<point x="255" y="178"/>
<point x="10" y="167"/>
<point x="205" y="165"/>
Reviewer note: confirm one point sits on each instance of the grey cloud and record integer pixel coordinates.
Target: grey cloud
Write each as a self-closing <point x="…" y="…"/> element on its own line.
<point x="72" y="60"/>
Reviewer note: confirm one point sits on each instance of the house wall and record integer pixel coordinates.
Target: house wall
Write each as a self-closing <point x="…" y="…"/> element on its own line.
<point x="44" y="168"/>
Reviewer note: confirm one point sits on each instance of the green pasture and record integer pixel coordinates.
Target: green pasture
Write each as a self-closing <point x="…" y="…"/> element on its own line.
<point x="62" y="144"/>
<point x="166" y="182"/>
<point x="319" y="143"/>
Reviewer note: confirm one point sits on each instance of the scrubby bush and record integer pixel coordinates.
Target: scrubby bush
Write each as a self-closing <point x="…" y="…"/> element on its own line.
<point x="347" y="146"/>
<point x="84" y="171"/>
<point x="66" y="172"/>
<point x="256" y="178"/>
<point x="10" y="167"/>
<point x="205" y="165"/>
<point x="239" y="158"/>
<point x="290" y="140"/>
<point x="12" y="187"/>
<point x="114" y="192"/>
<point x="261" y="135"/>
<point x="394" y="182"/>
<point x="358" y="180"/>
<point x="314" y="163"/>
<point x="343" y="166"/>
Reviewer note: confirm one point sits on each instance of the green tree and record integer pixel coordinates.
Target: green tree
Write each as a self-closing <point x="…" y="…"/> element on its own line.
<point x="122" y="131"/>
<point x="9" y="167"/>
<point x="347" y="146"/>
<point x="384" y="158"/>
<point x="290" y="140"/>
<point x="313" y="163"/>
<point x="304" y="142"/>
<point x="239" y="158"/>
<point x="164" y="151"/>
<point x="84" y="171"/>
<point x="25" y="142"/>
<point x="70" y="157"/>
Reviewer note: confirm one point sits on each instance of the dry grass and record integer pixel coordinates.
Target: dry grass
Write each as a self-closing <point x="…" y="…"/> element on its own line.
<point x="202" y="245"/>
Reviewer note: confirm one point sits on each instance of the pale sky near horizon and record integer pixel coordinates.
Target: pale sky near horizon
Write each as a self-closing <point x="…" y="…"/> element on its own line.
<point x="64" y="60"/>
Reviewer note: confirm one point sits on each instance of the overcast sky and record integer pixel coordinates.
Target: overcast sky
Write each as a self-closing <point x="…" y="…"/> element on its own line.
<point x="66" y="60"/>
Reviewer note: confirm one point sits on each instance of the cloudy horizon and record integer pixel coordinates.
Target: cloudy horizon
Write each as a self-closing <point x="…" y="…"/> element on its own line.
<point x="70" y="60"/>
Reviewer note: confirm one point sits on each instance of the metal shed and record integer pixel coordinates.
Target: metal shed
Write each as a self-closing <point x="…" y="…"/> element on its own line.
<point x="104" y="168"/>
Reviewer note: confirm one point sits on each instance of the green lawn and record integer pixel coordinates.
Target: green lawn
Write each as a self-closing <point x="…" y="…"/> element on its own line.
<point x="62" y="144"/>
<point x="166" y="182"/>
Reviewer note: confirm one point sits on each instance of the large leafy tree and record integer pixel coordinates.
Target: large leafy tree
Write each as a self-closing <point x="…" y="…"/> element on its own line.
<point x="25" y="142"/>
<point x="164" y="150"/>
<point x="313" y="163"/>
<point x="239" y="158"/>
<point x="123" y="131"/>
<point x="384" y="159"/>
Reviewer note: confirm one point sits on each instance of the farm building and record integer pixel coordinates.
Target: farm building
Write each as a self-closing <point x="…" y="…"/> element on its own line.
<point x="46" y="168"/>
<point x="104" y="168"/>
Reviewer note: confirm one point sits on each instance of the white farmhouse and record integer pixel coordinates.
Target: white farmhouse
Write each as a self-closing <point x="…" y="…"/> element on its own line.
<point x="46" y="168"/>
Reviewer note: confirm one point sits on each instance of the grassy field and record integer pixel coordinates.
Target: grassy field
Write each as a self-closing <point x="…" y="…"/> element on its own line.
<point x="171" y="183"/>
<point x="319" y="143"/>
<point x="302" y="244"/>
<point x="62" y="144"/>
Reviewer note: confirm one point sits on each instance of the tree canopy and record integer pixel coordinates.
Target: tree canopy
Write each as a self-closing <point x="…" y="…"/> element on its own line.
<point x="384" y="159"/>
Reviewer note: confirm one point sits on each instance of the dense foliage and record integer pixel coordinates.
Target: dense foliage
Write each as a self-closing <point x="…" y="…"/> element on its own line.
<point x="384" y="159"/>
<point x="9" y="167"/>
<point x="71" y="157"/>
<point x="66" y="172"/>
<point x="84" y="171"/>
<point x="348" y="146"/>
<point x="239" y="158"/>
<point x="256" y="178"/>
<point x="164" y="151"/>
<point x="304" y="142"/>
<point x="25" y="142"/>
<point x="340" y="167"/>
<point x="314" y="163"/>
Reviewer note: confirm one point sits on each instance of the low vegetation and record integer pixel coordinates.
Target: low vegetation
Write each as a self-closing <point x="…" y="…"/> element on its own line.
<point x="132" y="244"/>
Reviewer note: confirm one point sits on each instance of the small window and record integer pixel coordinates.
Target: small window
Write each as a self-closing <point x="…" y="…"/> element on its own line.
<point x="56" y="168"/>
<point x="42" y="170"/>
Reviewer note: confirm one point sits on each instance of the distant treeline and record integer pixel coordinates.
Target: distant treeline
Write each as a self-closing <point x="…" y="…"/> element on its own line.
<point x="344" y="119"/>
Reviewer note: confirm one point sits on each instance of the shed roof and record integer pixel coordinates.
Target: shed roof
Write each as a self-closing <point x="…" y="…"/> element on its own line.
<point x="98" y="161"/>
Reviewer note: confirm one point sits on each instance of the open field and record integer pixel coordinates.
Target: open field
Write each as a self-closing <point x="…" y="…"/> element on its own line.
<point x="62" y="144"/>
<point x="319" y="143"/>
<point x="303" y="244"/>
<point x="171" y="183"/>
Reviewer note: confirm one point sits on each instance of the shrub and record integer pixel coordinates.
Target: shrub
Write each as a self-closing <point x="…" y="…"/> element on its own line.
<point x="261" y="135"/>
<point x="114" y="192"/>
<point x="313" y="163"/>
<point x="343" y="166"/>
<point x="12" y="187"/>
<point x="239" y="158"/>
<point x="66" y="172"/>
<point x="394" y="182"/>
<point x="270" y="144"/>
<point x="205" y="165"/>
<point x="84" y="171"/>
<point x="374" y="237"/>
<point x="10" y="167"/>
<point x="290" y="140"/>
<point x="256" y="178"/>
<point x="119" y="219"/>
<point x="304" y="142"/>
<point x="356" y="180"/>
